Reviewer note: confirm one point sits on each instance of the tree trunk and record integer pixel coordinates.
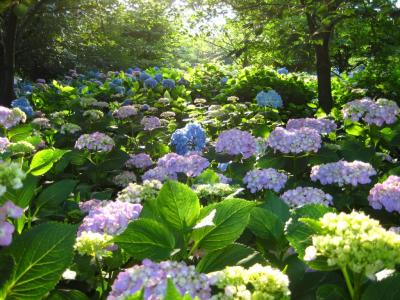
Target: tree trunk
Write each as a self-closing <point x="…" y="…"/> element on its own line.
<point x="7" y="63"/>
<point x="324" y="74"/>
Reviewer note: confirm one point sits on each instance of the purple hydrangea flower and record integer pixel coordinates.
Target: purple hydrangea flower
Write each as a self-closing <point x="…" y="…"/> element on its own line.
<point x="4" y="143"/>
<point x="95" y="141"/>
<point x="11" y="117"/>
<point x="295" y="140"/>
<point x="306" y="195"/>
<point x="139" y="161"/>
<point x="343" y="172"/>
<point x="125" y="112"/>
<point x="323" y="126"/>
<point x="235" y="142"/>
<point x="8" y="210"/>
<point x="153" y="278"/>
<point x="168" y="83"/>
<point x="150" y="83"/>
<point x="150" y="123"/>
<point x="386" y="194"/>
<point x="270" y="179"/>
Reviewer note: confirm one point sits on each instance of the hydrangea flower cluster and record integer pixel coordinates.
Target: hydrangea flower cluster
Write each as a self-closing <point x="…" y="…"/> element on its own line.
<point x="270" y="179"/>
<point x="343" y="172"/>
<point x="372" y="112"/>
<point x="168" y="83"/>
<point x="125" y="112"/>
<point x="8" y="210"/>
<point x="96" y="141"/>
<point x="41" y="122"/>
<point x="294" y="141"/>
<point x="21" y="147"/>
<point x="150" y="123"/>
<point x="24" y="105"/>
<point x="11" y="176"/>
<point x="213" y="190"/>
<point x="355" y="241"/>
<point x="136" y="193"/>
<point x="124" y="178"/>
<point x="306" y="195"/>
<point x="139" y="161"/>
<point x="150" y="83"/>
<point x="282" y="71"/>
<point x="11" y="117"/>
<point x="93" y="114"/>
<point x="70" y="128"/>
<point x="153" y="278"/>
<point x="171" y="164"/>
<point x="271" y="99"/>
<point x="4" y="142"/>
<point x="323" y="126"/>
<point x="255" y="283"/>
<point x="192" y="137"/>
<point x="386" y="194"/>
<point x="94" y="244"/>
<point x="235" y="142"/>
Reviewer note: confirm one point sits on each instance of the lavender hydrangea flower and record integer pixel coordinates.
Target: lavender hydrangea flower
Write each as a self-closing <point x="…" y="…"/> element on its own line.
<point x="11" y="117"/>
<point x="8" y="210"/>
<point x="95" y="141"/>
<point x="386" y="194"/>
<point x="139" y="161"/>
<point x="111" y="218"/>
<point x="235" y="142"/>
<point x="271" y="99"/>
<point x="343" y="172"/>
<point x="323" y="126"/>
<point x="372" y="112"/>
<point x="153" y="278"/>
<point x="123" y="179"/>
<point x="4" y="143"/>
<point x="295" y="140"/>
<point x="306" y="195"/>
<point x="190" y="138"/>
<point x="270" y="179"/>
<point x="125" y="112"/>
<point x="150" y="123"/>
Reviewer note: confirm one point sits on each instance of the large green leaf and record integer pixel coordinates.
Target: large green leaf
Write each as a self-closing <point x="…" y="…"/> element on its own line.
<point x="44" y="160"/>
<point x="171" y="292"/>
<point x="178" y="205"/>
<point x="265" y="224"/>
<point x="387" y="289"/>
<point x="55" y="194"/>
<point x="40" y="256"/>
<point x="67" y="295"/>
<point x="230" y="220"/>
<point x="145" y="238"/>
<point x="232" y="255"/>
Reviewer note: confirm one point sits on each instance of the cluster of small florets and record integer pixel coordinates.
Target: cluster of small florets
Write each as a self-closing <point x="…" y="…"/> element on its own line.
<point x="21" y="147"/>
<point x="343" y="172"/>
<point x="4" y="143"/>
<point x="256" y="283"/>
<point x="11" y="176"/>
<point x="136" y="193"/>
<point x="11" y="117"/>
<point x="190" y="138"/>
<point x="386" y="194"/>
<point x="168" y="115"/>
<point x="372" y="112"/>
<point x="168" y="83"/>
<point x="306" y="195"/>
<point x="70" y="128"/>
<point x="150" y="123"/>
<point x="153" y="277"/>
<point x="214" y="190"/>
<point x="355" y="241"/>
<point x="124" y="178"/>
<point x="139" y="161"/>
<point x="150" y="83"/>
<point x="271" y="99"/>
<point x="125" y="112"/>
<point x="269" y="179"/>
<point x="41" y="122"/>
<point x="171" y="164"/>
<point x="95" y="141"/>
<point x="93" y="114"/>
<point x="235" y="142"/>
<point x="294" y="141"/>
<point x="323" y="126"/>
<point x="8" y="210"/>
<point x="24" y="105"/>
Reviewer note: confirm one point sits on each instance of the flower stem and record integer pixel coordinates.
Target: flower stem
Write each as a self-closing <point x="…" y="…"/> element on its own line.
<point x="348" y="282"/>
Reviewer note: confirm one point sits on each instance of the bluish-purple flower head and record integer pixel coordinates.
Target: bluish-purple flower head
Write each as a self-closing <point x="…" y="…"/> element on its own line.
<point x="143" y="76"/>
<point x="139" y="161"/>
<point x="158" y="77"/>
<point x="8" y="210"/>
<point x="282" y="71"/>
<point x="265" y="179"/>
<point x="150" y="83"/>
<point x="235" y="142"/>
<point x="386" y="195"/>
<point x="117" y="81"/>
<point x="223" y="80"/>
<point x="306" y="195"/>
<point x="24" y="105"/>
<point x="271" y="99"/>
<point x="323" y="126"/>
<point x="168" y="83"/>
<point x="190" y="138"/>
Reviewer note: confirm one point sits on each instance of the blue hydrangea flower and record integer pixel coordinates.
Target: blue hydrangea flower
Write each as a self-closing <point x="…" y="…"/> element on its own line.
<point x="150" y="83"/>
<point x="282" y="71"/>
<point x="190" y="138"/>
<point x="144" y="107"/>
<point x="156" y="68"/>
<point x="120" y="89"/>
<point x="28" y="88"/>
<point x="143" y="76"/>
<point x="130" y="71"/>
<point x="127" y="102"/>
<point x="271" y="99"/>
<point x="223" y="80"/>
<point x="182" y="81"/>
<point x="168" y="83"/>
<point x="117" y="81"/>
<point x="158" y="77"/>
<point x="223" y="166"/>
<point x="23" y="104"/>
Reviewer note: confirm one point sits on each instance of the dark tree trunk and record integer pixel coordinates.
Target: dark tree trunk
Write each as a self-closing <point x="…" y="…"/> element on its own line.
<point x="324" y="74"/>
<point x="7" y="63"/>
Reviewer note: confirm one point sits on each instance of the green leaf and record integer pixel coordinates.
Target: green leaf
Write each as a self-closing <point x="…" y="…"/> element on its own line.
<point x="387" y="289"/>
<point x="178" y="205"/>
<point x="266" y="225"/>
<point x="44" y="160"/>
<point x="19" y="133"/>
<point x="331" y="292"/>
<point x="55" y="194"/>
<point x="139" y="295"/>
<point x="232" y="255"/>
<point x="207" y="177"/>
<point x="145" y="238"/>
<point x="231" y="218"/>
<point x="40" y="256"/>
<point x="23" y="196"/>
<point x="171" y="293"/>
<point x="355" y="130"/>
<point x="276" y="205"/>
<point x="67" y="295"/>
